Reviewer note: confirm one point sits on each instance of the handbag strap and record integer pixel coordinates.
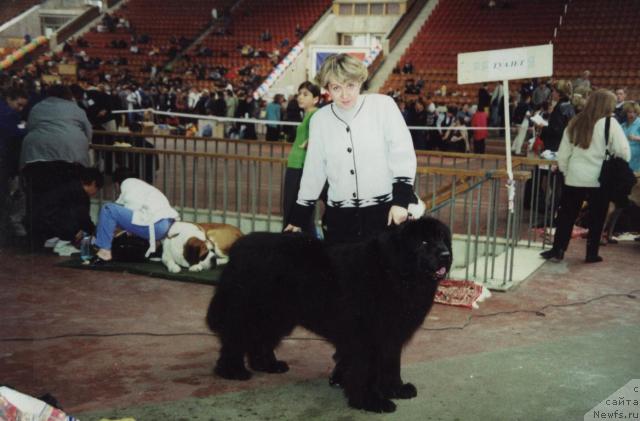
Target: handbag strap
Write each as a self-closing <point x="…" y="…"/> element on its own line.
<point x="607" y="125"/>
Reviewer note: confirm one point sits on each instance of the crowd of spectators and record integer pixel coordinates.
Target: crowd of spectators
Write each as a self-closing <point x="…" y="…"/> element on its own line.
<point x="539" y="112"/>
<point x="539" y="109"/>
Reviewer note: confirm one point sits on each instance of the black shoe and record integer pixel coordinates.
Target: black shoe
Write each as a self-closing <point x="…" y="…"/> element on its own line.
<point x="593" y="259"/>
<point x="96" y="261"/>
<point x="553" y="255"/>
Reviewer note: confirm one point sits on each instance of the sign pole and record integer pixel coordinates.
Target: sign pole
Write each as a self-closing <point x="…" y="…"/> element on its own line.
<point x="505" y="65"/>
<point x="511" y="188"/>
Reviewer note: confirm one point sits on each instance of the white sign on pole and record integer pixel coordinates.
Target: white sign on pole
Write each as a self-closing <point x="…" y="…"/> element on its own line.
<point x="505" y="65"/>
<point x="508" y="64"/>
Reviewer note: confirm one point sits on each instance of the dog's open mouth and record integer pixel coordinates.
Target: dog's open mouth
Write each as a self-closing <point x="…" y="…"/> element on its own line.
<point x="440" y="273"/>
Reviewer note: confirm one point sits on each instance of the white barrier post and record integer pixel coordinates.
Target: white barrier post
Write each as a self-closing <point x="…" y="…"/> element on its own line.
<point x="505" y="65"/>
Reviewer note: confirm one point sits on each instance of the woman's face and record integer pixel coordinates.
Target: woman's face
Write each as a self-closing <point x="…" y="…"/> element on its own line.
<point x="345" y="95"/>
<point x="631" y="115"/>
<point x="306" y="100"/>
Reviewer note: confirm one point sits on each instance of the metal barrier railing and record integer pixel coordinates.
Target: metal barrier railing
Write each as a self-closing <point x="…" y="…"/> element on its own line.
<point x="240" y="182"/>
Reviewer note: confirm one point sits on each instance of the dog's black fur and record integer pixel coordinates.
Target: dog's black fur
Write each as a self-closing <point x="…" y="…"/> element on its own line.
<point x="366" y="298"/>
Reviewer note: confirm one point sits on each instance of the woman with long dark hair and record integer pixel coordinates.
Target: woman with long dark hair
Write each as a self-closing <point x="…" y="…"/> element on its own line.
<point x="580" y="157"/>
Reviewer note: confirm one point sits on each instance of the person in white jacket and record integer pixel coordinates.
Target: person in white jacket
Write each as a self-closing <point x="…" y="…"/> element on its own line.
<point x="361" y="146"/>
<point x="580" y="157"/>
<point x="141" y="209"/>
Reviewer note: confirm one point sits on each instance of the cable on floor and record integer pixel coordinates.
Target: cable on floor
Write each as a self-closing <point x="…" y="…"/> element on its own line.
<point x="539" y="312"/>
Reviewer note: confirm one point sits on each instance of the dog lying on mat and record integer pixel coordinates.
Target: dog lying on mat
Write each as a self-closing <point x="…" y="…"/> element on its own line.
<point x="366" y="298"/>
<point x="222" y="236"/>
<point x="197" y="246"/>
<point x="186" y="246"/>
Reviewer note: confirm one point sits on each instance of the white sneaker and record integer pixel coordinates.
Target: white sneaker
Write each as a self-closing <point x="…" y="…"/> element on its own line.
<point x="51" y="242"/>
<point x="64" y="248"/>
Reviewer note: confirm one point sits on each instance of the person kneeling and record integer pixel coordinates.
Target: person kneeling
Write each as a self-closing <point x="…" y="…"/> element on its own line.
<point x="141" y="210"/>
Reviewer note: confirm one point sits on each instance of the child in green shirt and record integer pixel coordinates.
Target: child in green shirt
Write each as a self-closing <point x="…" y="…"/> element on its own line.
<point x="308" y="97"/>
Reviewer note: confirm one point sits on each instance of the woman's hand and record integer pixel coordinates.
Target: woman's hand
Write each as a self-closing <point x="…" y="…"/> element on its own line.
<point x="292" y="228"/>
<point x="397" y="215"/>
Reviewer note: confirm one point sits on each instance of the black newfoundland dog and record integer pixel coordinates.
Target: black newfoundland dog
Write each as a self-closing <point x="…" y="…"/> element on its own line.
<point x="366" y="298"/>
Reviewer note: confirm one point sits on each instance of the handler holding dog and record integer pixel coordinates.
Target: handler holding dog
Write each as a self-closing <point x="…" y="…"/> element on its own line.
<point x="361" y="145"/>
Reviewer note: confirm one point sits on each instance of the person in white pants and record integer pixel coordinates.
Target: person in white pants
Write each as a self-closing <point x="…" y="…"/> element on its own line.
<point x="521" y="118"/>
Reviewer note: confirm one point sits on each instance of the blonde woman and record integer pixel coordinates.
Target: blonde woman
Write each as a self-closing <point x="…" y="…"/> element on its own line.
<point x="361" y="145"/>
<point x="580" y="157"/>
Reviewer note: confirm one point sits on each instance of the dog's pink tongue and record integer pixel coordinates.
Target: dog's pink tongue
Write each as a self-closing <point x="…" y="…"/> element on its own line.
<point x="442" y="271"/>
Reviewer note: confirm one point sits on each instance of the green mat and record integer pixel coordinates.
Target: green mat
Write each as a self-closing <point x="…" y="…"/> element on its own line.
<point x="153" y="269"/>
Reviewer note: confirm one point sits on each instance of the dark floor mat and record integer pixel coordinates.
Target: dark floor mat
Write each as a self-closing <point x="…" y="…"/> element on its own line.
<point x="153" y="269"/>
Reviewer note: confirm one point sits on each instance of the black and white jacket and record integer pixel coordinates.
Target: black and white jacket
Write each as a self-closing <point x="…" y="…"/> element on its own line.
<point x="366" y="155"/>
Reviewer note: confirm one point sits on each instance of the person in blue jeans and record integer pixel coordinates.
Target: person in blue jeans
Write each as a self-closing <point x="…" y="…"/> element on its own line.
<point x="141" y="209"/>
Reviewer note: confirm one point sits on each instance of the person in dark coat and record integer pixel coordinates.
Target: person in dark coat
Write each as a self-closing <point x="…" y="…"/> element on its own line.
<point x="484" y="97"/>
<point x="418" y="118"/>
<point x="99" y="109"/>
<point x="247" y="108"/>
<point x="11" y="134"/>
<point x="11" y="104"/>
<point x="55" y="148"/>
<point x="293" y="113"/>
<point x="560" y="116"/>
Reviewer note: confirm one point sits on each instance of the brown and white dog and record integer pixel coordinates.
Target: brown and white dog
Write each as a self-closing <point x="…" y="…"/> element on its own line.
<point x="186" y="245"/>
<point x="222" y="236"/>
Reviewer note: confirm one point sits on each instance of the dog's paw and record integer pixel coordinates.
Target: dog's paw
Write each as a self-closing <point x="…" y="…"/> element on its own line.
<point x="406" y="391"/>
<point x="275" y="367"/>
<point x="173" y="268"/>
<point x="374" y="404"/>
<point x="232" y="373"/>
<point x="195" y="268"/>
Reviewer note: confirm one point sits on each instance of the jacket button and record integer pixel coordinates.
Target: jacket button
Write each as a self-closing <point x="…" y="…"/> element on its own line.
<point x="349" y="150"/>
<point x="352" y="172"/>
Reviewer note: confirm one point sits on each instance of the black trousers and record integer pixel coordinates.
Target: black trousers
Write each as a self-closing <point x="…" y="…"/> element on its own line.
<point x="353" y="224"/>
<point x="273" y="133"/>
<point x="40" y="178"/>
<point x="570" y="204"/>
<point x="479" y="146"/>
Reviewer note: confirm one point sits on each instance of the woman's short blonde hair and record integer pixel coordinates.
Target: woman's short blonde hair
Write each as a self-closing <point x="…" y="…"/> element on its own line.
<point x="341" y="68"/>
<point x="631" y="106"/>
<point x="564" y="88"/>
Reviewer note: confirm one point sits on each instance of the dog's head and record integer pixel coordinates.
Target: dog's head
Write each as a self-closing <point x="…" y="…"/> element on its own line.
<point x="201" y="251"/>
<point x="427" y="242"/>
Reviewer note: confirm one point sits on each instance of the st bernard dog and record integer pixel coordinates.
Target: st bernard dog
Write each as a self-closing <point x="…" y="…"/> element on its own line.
<point x="222" y="236"/>
<point x="187" y="246"/>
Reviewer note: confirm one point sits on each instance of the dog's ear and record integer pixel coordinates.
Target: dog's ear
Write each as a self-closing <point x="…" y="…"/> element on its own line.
<point x="192" y="250"/>
<point x="204" y="251"/>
